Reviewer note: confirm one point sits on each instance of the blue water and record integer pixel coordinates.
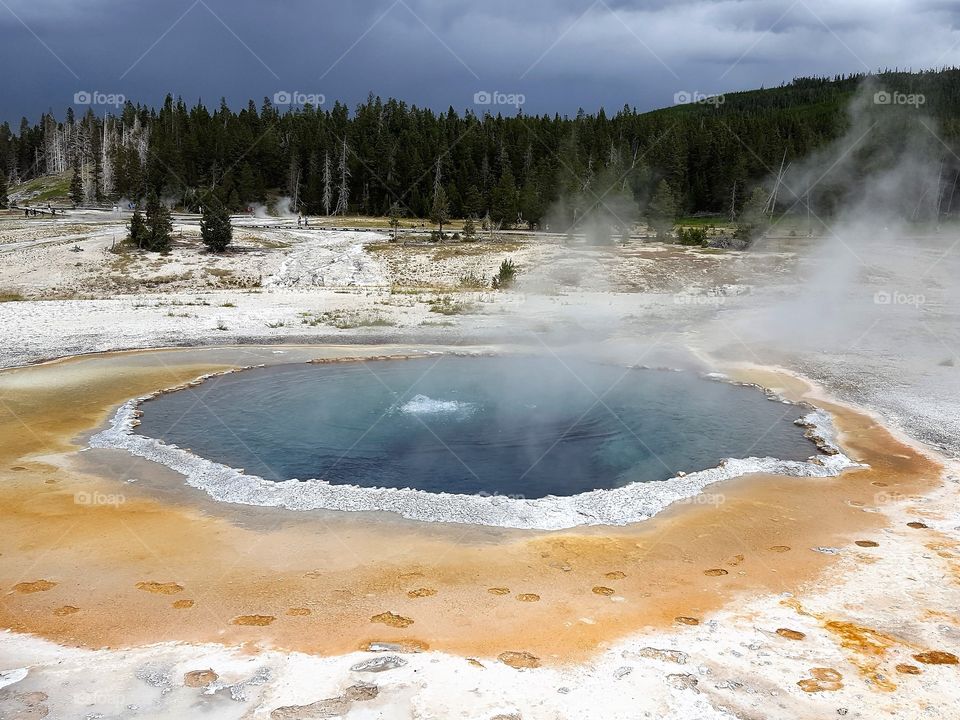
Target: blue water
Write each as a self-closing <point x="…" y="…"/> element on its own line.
<point x="526" y="427"/>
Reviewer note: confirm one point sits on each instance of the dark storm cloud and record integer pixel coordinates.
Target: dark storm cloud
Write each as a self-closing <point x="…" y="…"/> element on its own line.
<point x="559" y="54"/>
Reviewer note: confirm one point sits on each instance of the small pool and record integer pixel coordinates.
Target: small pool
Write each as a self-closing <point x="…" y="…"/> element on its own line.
<point x="525" y="427"/>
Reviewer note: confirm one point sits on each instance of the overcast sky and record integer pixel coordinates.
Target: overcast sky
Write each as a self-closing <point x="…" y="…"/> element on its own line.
<point x="558" y="54"/>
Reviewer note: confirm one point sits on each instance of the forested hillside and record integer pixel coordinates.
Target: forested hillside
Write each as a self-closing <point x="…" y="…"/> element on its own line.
<point x="516" y="169"/>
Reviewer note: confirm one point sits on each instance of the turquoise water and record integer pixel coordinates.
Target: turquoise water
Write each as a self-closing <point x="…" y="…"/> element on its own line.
<point x="518" y="426"/>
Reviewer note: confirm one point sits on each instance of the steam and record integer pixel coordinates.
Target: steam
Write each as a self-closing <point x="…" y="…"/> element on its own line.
<point x="260" y="211"/>
<point x="875" y="198"/>
<point x="281" y="209"/>
<point x="284" y="208"/>
<point x="602" y="210"/>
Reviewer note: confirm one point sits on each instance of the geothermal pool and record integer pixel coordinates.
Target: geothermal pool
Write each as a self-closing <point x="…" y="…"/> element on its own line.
<point x="516" y="426"/>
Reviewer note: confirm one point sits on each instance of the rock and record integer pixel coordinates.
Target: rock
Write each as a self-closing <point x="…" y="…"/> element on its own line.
<point x="422" y="592"/>
<point x="622" y="672"/>
<point x="392" y="619"/>
<point x="729" y="685"/>
<point x="519" y="660"/>
<point x="379" y="664"/>
<point x="34" y="586"/>
<point x="827" y="550"/>
<point x="936" y="657"/>
<point x="361" y="692"/>
<point x="602" y="590"/>
<point x="823" y="680"/>
<point x="401" y="646"/>
<point x="331" y="708"/>
<point x="152" y="586"/>
<point x="790" y="634"/>
<point x="33" y="706"/>
<point x="675" y="656"/>
<point x="683" y="682"/>
<point x="199" y="678"/>
<point x="253" y="620"/>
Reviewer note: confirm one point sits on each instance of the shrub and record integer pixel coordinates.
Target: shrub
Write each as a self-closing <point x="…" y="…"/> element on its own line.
<point x="692" y="236"/>
<point x="506" y="277"/>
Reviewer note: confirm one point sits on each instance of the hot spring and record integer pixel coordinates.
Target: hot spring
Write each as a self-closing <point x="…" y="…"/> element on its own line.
<point x="520" y="427"/>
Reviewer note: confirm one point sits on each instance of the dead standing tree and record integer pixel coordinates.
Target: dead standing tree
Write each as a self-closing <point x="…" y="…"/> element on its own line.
<point x="343" y="192"/>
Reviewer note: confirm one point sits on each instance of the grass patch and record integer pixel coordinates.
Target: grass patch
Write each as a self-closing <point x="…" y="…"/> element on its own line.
<point x="218" y="272"/>
<point x="472" y="249"/>
<point x="268" y="244"/>
<point x="446" y="305"/>
<point x="473" y="282"/>
<point x="46" y="188"/>
<point x="10" y="296"/>
<point x="344" y="321"/>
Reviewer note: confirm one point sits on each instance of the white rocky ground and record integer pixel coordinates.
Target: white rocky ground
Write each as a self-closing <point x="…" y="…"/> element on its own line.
<point x="876" y="326"/>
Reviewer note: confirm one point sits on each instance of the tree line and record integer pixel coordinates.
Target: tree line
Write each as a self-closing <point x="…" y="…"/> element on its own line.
<point x="390" y="158"/>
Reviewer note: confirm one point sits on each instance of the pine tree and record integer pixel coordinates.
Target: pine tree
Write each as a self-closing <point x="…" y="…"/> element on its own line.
<point x="469" y="229"/>
<point x="76" y="186"/>
<point x="158" y="225"/>
<point x="139" y="234"/>
<point x="395" y="219"/>
<point x="662" y="210"/>
<point x="473" y="205"/>
<point x="504" y="200"/>
<point x="4" y="199"/>
<point x="215" y="227"/>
